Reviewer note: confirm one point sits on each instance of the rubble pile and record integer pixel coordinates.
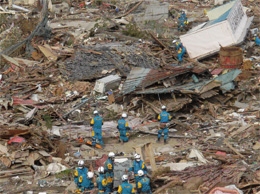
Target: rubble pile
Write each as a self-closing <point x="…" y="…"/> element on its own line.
<point x="61" y="60"/>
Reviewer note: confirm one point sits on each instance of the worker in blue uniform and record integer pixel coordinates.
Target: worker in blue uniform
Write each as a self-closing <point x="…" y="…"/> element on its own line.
<point x="181" y="50"/>
<point x="89" y="183"/>
<point x="182" y="21"/>
<point x="109" y="171"/>
<point x="138" y="164"/>
<point x="165" y="131"/>
<point x="101" y="181"/>
<point x="80" y="176"/>
<point x="96" y="124"/>
<point x="123" y="128"/>
<point x="164" y="117"/>
<point x="125" y="187"/>
<point x="257" y="40"/>
<point x="144" y="184"/>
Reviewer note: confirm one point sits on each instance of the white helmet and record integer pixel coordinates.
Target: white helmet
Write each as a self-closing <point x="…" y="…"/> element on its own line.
<point x="137" y="156"/>
<point x="124" y="115"/>
<point x="95" y="112"/>
<point x="163" y="107"/>
<point x="124" y="177"/>
<point x="111" y="154"/>
<point x="140" y="173"/>
<point x="174" y="41"/>
<point x="90" y="175"/>
<point x="101" y="169"/>
<point x="81" y="163"/>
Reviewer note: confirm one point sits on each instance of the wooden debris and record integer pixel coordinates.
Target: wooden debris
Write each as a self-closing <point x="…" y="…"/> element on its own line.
<point x="232" y="148"/>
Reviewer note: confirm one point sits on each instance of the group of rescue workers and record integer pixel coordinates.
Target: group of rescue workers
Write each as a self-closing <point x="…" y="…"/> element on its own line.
<point x="97" y="123"/>
<point x="123" y="127"/>
<point x="85" y="180"/>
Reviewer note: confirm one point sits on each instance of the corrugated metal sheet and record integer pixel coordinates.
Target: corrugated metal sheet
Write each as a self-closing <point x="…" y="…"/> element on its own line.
<point x="134" y="79"/>
<point x="156" y="91"/>
<point x="225" y="79"/>
<point x="228" y="77"/>
<point x="140" y="78"/>
<point x="154" y="76"/>
<point x="189" y="86"/>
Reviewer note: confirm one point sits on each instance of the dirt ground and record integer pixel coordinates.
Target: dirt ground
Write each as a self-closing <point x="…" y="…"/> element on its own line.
<point x="25" y="184"/>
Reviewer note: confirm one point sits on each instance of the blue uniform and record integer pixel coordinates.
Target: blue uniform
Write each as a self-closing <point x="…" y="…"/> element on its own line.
<point x="182" y="21"/>
<point x="101" y="184"/>
<point x="109" y="174"/>
<point x="123" y="128"/>
<point x="125" y="188"/>
<point x="144" y="186"/>
<point x="181" y="53"/>
<point x="165" y="132"/>
<point x="80" y="178"/>
<point x="97" y="123"/>
<point x="181" y="50"/>
<point x="138" y="165"/>
<point x="164" y="117"/>
<point x="89" y="184"/>
<point x="257" y="41"/>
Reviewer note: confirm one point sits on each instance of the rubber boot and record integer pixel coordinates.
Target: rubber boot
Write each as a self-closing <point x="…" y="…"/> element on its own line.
<point x="165" y="142"/>
<point x="158" y="140"/>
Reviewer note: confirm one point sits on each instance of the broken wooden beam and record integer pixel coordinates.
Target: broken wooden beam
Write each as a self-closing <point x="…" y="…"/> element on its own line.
<point x="232" y="148"/>
<point x="157" y="40"/>
<point x="132" y="9"/>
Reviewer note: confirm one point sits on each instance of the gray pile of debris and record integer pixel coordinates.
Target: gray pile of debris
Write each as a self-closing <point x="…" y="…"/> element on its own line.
<point x="61" y="60"/>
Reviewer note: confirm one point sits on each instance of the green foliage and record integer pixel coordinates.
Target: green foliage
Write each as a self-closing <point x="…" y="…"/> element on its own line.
<point x="47" y="119"/>
<point x="13" y="36"/>
<point x="134" y="31"/>
<point x="3" y="21"/>
<point x="98" y="2"/>
<point x="111" y="115"/>
<point x="66" y="174"/>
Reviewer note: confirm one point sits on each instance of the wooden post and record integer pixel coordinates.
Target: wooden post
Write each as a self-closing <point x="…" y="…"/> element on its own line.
<point x="149" y="150"/>
<point x="146" y="152"/>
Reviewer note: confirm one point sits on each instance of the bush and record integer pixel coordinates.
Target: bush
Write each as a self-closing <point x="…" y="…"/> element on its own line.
<point x="134" y="31"/>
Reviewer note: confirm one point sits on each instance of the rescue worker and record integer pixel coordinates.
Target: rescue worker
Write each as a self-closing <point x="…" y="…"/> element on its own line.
<point x="165" y="131"/>
<point x="80" y="176"/>
<point x="109" y="171"/>
<point x="101" y="181"/>
<point x="125" y="187"/>
<point x="89" y="182"/>
<point x="138" y="164"/>
<point x="257" y="40"/>
<point x="123" y="128"/>
<point x="181" y="50"/>
<point x="182" y="21"/>
<point x="164" y="117"/>
<point x="144" y="186"/>
<point x="96" y="124"/>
